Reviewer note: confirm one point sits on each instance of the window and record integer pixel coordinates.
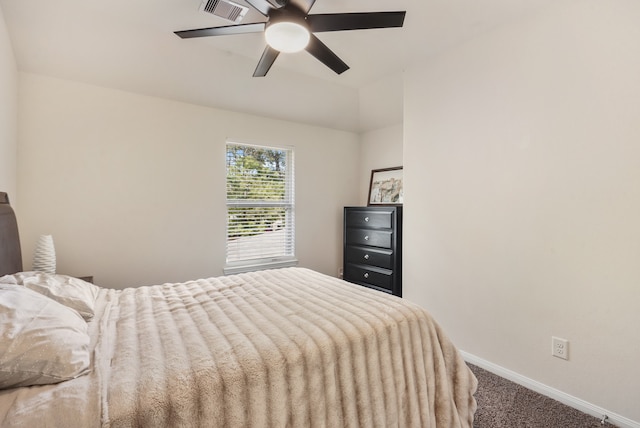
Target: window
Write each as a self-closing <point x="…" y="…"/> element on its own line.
<point x="260" y="208"/>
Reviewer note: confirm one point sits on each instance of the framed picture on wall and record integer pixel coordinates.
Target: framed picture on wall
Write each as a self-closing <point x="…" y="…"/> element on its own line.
<point x="385" y="187"/>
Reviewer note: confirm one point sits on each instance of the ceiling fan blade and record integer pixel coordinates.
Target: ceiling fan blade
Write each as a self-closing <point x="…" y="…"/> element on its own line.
<point x="222" y="31"/>
<point x="326" y="55"/>
<point x="269" y="56"/>
<point x="354" y="21"/>
<point x="262" y="6"/>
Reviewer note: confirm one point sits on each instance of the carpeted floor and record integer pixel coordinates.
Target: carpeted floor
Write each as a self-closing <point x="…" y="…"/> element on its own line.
<point x="504" y="404"/>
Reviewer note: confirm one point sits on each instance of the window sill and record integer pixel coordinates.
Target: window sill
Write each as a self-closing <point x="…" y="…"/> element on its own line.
<point x="246" y="267"/>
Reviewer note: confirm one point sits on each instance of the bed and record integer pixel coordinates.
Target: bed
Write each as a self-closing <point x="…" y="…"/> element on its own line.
<point x="277" y="348"/>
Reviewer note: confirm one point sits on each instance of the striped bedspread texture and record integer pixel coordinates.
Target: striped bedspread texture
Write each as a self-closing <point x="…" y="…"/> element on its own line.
<point x="276" y="348"/>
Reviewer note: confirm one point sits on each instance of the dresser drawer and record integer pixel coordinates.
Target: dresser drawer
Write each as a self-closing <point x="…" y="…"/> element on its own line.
<point x="366" y="237"/>
<point x="382" y="278"/>
<point x="375" y="219"/>
<point x="370" y="256"/>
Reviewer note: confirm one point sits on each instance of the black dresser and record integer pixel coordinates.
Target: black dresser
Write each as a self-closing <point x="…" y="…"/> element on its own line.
<point x="373" y="247"/>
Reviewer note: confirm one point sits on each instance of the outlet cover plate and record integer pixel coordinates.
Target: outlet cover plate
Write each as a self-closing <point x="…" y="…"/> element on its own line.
<point x="560" y="347"/>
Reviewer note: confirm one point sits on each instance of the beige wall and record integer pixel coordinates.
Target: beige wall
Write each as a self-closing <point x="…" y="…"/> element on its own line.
<point x="380" y="103"/>
<point x="522" y="197"/>
<point x="132" y="188"/>
<point x="381" y="148"/>
<point x="8" y="114"/>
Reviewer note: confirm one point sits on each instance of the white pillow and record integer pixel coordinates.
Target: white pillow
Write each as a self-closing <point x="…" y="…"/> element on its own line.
<point x="41" y="341"/>
<point x="67" y="290"/>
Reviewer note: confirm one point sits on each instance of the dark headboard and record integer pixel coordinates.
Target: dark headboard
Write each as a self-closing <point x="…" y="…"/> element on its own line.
<point x="10" y="253"/>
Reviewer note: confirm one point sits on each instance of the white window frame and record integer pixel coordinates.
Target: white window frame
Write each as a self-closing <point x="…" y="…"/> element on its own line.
<point x="270" y="262"/>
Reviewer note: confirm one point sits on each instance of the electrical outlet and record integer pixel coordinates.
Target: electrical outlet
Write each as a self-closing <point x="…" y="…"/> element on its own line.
<point x="560" y="347"/>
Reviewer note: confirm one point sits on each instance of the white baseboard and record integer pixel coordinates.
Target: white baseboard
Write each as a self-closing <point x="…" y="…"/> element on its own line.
<point x="564" y="398"/>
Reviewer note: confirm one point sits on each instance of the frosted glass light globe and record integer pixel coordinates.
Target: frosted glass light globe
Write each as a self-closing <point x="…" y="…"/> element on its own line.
<point x="287" y="37"/>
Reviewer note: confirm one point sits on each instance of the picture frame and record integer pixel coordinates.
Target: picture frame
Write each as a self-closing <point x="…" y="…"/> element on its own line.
<point x="386" y="187"/>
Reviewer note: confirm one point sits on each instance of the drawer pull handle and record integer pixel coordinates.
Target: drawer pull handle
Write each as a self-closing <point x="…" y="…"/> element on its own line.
<point x="366" y="274"/>
<point x="366" y="238"/>
<point x="366" y="219"/>
<point x="366" y="256"/>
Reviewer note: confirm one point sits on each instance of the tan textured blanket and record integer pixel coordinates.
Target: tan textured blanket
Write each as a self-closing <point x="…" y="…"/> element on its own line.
<point x="279" y="348"/>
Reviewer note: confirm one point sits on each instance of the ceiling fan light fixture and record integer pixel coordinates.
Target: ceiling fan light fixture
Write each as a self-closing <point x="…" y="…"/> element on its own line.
<point x="287" y="36"/>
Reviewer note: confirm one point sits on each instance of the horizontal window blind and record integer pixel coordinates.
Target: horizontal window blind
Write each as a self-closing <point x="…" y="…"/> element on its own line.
<point x="260" y="204"/>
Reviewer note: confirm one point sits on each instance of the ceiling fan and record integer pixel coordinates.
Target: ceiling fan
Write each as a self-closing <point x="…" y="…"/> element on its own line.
<point x="290" y="27"/>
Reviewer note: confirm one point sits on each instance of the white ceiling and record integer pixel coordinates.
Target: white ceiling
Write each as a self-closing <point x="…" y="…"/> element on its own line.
<point x="130" y="45"/>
